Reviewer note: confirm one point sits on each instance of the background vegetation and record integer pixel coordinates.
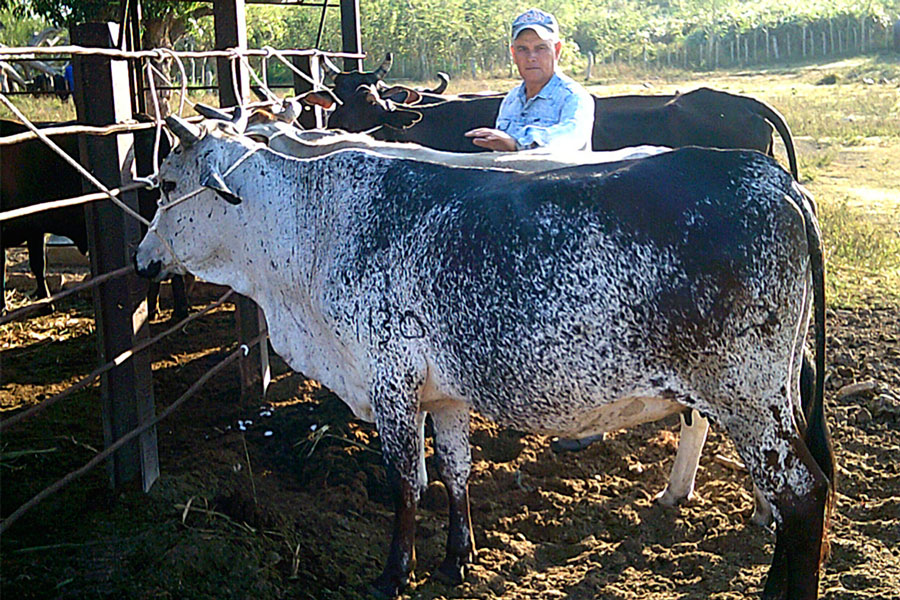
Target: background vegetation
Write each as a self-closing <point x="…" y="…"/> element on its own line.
<point x="470" y="37"/>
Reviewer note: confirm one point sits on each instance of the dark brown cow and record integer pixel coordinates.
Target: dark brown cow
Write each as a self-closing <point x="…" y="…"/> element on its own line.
<point x="32" y="173"/>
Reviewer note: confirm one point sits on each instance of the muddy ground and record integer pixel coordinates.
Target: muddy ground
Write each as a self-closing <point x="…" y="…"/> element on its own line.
<point x="296" y="505"/>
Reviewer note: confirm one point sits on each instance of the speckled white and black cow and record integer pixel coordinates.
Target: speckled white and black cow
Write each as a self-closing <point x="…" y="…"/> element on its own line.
<point x="569" y="303"/>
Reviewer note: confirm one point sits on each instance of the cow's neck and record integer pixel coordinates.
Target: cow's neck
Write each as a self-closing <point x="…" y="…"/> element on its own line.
<point x="296" y="212"/>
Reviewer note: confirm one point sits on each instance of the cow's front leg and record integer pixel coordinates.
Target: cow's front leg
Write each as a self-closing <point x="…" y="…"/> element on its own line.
<point x="397" y="421"/>
<point x="454" y="457"/>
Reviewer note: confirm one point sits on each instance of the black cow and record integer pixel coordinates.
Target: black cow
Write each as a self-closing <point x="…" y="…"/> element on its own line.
<point x="32" y="173"/>
<point x="702" y="117"/>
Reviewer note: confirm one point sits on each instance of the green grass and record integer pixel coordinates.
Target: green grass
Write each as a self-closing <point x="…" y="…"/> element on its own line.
<point x="40" y="108"/>
<point x="862" y="258"/>
<point x="843" y="112"/>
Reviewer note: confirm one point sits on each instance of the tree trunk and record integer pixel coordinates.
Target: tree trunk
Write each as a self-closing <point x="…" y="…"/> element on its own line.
<point x="831" y="33"/>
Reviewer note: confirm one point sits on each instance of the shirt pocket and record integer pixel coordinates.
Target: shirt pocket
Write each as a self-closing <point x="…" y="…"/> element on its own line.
<point x="542" y="120"/>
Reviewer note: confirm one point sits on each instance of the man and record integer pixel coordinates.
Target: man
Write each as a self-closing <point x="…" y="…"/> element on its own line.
<point x="548" y="109"/>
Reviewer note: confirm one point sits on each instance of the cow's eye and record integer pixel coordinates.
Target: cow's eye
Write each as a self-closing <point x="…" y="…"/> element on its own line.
<point x="167" y="186"/>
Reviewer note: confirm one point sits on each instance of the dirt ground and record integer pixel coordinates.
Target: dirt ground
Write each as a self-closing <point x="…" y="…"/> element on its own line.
<point x="295" y="505"/>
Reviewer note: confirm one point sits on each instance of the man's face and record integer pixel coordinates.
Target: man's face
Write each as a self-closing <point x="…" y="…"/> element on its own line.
<point x="535" y="58"/>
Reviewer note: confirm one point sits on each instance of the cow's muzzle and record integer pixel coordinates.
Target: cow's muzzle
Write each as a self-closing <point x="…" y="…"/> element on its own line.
<point x="151" y="271"/>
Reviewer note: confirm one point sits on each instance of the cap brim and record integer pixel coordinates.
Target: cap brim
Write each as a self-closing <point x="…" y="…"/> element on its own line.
<point x="542" y="32"/>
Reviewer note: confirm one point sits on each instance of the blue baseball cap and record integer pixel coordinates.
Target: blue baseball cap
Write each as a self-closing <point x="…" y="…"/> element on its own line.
<point x="542" y="23"/>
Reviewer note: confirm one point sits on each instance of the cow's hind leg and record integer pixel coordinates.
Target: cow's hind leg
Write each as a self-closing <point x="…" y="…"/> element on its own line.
<point x="37" y="260"/>
<point x="3" y="272"/>
<point x="395" y="404"/>
<point x="791" y="480"/>
<point x="454" y="457"/>
<point x="684" y="470"/>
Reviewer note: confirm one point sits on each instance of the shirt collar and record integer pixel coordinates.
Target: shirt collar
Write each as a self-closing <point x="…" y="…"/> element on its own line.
<point x="546" y="91"/>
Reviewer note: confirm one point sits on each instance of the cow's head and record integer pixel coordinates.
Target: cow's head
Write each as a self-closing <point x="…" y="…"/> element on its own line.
<point x="365" y="109"/>
<point x="355" y="101"/>
<point x="344" y="84"/>
<point x="198" y="219"/>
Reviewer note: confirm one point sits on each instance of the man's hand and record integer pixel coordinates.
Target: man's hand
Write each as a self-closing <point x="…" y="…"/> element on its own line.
<point x="492" y="139"/>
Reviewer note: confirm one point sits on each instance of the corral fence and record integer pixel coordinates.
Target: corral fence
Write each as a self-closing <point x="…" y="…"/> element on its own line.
<point x="109" y="73"/>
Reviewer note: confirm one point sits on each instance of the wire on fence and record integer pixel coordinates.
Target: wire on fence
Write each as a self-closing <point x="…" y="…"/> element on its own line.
<point x="20" y="313"/>
<point x="122" y="127"/>
<point x="33" y="52"/>
<point x="53" y="204"/>
<point x="121" y="358"/>
<point x="72" y="476"/>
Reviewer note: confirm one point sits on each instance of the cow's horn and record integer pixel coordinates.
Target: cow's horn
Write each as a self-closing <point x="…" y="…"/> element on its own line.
<point x="239" y="119"/>
<point x="385" y="66"/>
<point x="329" y="71"/>
<point x="186" y="132"/>
<point x="212" y="113"/>
<point x="330" y="66"/>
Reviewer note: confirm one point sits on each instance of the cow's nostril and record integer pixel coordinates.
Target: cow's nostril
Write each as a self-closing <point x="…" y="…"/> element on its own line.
<point x="167" y="186"/>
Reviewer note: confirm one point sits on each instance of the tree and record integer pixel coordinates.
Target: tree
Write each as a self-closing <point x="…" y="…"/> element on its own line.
<point x="164" y="22"/>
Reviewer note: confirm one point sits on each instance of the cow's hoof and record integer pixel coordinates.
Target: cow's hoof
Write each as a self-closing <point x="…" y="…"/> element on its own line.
<point x="669" y="498"/>
<point x="387" y="587"/>
<point x="762" y="510"/>
<point x="567" y="445"/>
<point x="450" y="573"/>
<point x="762" y="517"/>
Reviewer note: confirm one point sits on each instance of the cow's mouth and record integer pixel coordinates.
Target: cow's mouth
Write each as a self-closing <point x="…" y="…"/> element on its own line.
<point x="153" y="270"/>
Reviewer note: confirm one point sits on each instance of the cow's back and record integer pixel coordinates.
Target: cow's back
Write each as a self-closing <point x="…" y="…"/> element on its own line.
<point x="443" y="124"/>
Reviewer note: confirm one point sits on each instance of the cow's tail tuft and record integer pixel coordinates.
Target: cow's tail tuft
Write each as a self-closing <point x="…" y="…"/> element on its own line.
<point x="818" y="438"/>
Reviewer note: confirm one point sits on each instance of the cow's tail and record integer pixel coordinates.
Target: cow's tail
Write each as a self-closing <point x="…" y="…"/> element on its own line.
<point x="818" y="438"/>
<point x="771" y="114"/>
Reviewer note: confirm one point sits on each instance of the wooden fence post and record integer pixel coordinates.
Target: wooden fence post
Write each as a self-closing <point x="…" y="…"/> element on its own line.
<point x="351" y="38"/>
<point x="103" y="96"/>
<point x="311" y="117"/>
<point x="231" y="32"/>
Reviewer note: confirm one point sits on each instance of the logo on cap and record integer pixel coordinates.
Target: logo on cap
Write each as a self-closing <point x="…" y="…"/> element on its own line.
<point x="542" y="23"/>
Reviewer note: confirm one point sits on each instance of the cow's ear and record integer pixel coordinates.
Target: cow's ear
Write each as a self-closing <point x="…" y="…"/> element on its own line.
<point x="401" y="119"/>
<point x="323" y="98"/>
<point x="212" y="179"/>
<point x="401" y="94"/>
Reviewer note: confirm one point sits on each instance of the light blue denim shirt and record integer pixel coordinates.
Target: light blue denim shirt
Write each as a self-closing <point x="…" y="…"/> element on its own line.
<point x="560" y="116"/>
